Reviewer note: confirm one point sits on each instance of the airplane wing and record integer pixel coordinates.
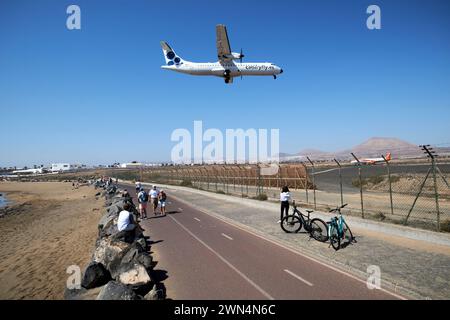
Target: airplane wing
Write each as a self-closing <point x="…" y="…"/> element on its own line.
<point x="222" y="43"/>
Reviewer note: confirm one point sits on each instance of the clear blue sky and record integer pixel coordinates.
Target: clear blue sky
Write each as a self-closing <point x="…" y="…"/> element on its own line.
<point x="98" y="95"/>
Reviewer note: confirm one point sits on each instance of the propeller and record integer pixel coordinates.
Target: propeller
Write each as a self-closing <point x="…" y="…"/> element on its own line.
<point x="241" y="56"/>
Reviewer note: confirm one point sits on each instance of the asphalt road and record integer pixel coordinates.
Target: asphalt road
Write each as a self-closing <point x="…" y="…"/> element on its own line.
<point x="327" y="179"/>
<point x="208" y="259"/>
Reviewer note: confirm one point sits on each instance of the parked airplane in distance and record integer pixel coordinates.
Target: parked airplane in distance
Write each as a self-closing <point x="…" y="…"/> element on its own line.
<point x="226" y="67"/>
<point x="373" y="160"/>
<point x="30" y="171"/>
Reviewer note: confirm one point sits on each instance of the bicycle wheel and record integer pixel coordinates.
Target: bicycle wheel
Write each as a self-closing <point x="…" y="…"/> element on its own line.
<point x="319" y="230"/>
<point x="291" y="224"/>
<point x="334" y="238"/>
<point x="347" y="235"/>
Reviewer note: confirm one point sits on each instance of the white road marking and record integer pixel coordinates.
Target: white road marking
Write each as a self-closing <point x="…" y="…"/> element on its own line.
<point x="180" y="209"/>
<point x="282" y="245"/>
<point x="226" y="236"/>
<point x="325" y="171"/>
<point x="298" y="277"/>
<point x="268" y="296"/>
<point x="197" y="219"/>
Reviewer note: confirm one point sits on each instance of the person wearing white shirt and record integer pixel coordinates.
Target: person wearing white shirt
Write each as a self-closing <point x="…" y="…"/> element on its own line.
<point x="125" y="222"/>
<point x="154" y="194"/>
<point x="285" y="196"/>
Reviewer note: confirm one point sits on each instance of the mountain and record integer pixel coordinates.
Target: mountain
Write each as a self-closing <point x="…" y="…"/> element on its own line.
<point x="373" y="147"/>
<point x="314" y="153"/>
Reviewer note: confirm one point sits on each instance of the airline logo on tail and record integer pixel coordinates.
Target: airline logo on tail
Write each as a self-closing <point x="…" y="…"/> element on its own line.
<point x="388" y="156"/>
<point x="171" y="57"/>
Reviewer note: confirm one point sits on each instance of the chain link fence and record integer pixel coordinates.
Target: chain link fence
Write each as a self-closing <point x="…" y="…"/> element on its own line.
<point x="409" y="193"/>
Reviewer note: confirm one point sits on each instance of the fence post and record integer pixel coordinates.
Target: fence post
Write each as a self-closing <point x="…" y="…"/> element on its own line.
<point x="390" y="184"/>
<point x="360" y="185"/>
<point x="258" y="188"/>
<point x="314" y="181"/>
<point x="340" y="182"/>
<point x="432" y="154"/>
<point x="306" y="182"/>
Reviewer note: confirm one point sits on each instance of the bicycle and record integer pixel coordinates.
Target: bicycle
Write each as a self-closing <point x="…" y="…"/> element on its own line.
<point x="338" y="230"/>
<point x="316" y="227"/>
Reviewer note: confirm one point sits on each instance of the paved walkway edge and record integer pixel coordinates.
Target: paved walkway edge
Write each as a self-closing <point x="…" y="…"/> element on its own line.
<point x="389" y="286"/>
<point x="365" y="224"/>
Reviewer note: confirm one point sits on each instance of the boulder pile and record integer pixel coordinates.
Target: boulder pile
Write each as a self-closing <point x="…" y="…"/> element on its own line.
<point x="121" y="266"/>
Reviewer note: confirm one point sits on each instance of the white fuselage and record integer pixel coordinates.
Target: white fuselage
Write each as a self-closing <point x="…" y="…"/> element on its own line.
<point x="231" y="69"/>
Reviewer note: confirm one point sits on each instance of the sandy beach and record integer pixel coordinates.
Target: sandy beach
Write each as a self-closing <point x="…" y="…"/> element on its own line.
<point x="51" y="227"/>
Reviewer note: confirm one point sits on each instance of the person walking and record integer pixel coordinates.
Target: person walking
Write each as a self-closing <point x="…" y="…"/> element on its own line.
<point x="285" y="196"/>
<point x="154" y="198"/>
<point x="162" y="202"/>
<point x="143" y="200"/>
<point x="138" y="186"/>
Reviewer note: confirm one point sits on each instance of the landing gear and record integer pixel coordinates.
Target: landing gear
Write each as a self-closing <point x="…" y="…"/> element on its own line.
<point x="227" y="80"/>
<point x="275" y="77"/>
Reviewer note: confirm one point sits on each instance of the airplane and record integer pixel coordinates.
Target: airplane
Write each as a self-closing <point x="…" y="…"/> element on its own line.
<point x="29" y="171"/>
<point x="373" y="160"/>
<point x="226" y="67"/>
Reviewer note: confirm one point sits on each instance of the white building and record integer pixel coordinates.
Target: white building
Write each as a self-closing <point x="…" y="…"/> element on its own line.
<point x="132" y="165"/>
<point x="60" y="167"/>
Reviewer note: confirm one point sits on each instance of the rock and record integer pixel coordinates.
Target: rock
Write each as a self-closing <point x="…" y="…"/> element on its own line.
<point x="98" y="194"/>
<point x="110" y="229"/>
<point x="114" y="209"/>
<point x="82" y="294"/>
<point x="157" y="293"/>
<point x="95" y="276"/>
<point x="143" y="243"/>
<point x="146" y="260"/>
<point x="116" y="291"/>
<point x="107" y="251"/>
<point x="105" y="219"/>
<point x="126" y="257"/>
<point x="132" y="252"/>
<point x="133" y="274"/>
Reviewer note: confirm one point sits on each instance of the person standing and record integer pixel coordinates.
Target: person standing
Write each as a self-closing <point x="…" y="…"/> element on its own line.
<point x="143" y="200"/>
<point x="285" y="196"/>
<point x="154" y="198"/>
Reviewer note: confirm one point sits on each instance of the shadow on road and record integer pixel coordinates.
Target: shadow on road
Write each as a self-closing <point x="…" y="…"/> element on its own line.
<point x="150" y="242"/>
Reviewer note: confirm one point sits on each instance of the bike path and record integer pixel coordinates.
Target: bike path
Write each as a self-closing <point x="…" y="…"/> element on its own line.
<point x="207" y="258"/>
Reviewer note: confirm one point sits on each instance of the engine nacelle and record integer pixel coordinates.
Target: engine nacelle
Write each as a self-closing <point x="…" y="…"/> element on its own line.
<point x="234" y="56"/>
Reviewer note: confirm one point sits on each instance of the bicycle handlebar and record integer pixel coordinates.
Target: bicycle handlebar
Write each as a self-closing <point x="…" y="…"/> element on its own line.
<point x="339" y="208"/>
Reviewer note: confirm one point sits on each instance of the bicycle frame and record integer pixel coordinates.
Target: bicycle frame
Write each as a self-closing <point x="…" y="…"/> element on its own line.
<point x="303" y="218"/>
<point x="338" y="223"/>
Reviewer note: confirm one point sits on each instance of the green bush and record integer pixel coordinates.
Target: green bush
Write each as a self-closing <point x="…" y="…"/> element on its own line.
<point x="445" y="226"/>
<point x="355" y="183"/>
<point x="186" y="183"/>
<point x="261" y="197"/>
<point x="375" y="179"/>
<point x="220" y="192"/>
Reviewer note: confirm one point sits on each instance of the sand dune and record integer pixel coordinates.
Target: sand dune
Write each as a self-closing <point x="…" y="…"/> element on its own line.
<point x="56" y="227"/>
